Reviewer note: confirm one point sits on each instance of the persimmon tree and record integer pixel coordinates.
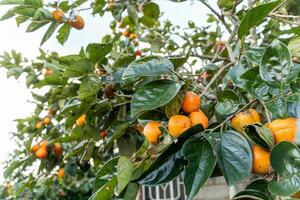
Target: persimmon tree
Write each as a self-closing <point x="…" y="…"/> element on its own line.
<point x="152" y="100"/>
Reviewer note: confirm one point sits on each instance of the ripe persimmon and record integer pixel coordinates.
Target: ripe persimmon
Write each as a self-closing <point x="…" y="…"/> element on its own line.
<point x="199" y="117"/>
<point x="57" y="149"/>
<point x="41" y="153"/>
<point x="296" y="196"/>
<point x="178" y="124"/>
<point x="283" y="129"/>
<point x="34" y="148"/>
<point x="152" y="132"/>
<point x="39" y="125"/>
<point x="78" y="23"/>
<point x="191" y="102"/>
<point x="261" y="160"/>
<point x="126" y="33"/>
<point x="47" y="120"/>
<point x="61" y="173"/>
<point x="48" y="72"/>
<point x="242" y="119"/>
<point x="81" y="120"/>
<point x="58" y="15"/>
<point x="133" y="36"/>
<point x="44" y="144"/>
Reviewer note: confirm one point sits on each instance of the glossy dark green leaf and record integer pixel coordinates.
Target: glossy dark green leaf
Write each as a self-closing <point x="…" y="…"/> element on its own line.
<point x="79" y="68"/>
<point x="154" y="95"/>
<point x="174" y="106"/>
<point x="106" y="173"/>
<point x="234" y="157"/>
<point x="106" y="191"/>
<point x="63" y="33"/>
<point x="260" y="135"/>
<point x="124" y="172"/>
<point x="235" y="74"/>
<point x="276" y="64"/>
<point x="166" y="167"/>
<point x="153" y="67"/>
<point x="255" y="16"/>
<point x="254" y="55"/>
<point x="251" y="194"/>
<point x="278" y="107"/>
<point x="285" y="160"/>
<point x="178" y="61"/>
<point x="228" y="102"/>
<point x="255" y="85"/>
<point x="201" y="162"/>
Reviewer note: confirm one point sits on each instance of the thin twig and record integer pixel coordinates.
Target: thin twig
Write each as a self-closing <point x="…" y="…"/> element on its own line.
<point x="214" y="78"/>
<point x="220" y="17"/>
<point x="231" y="116"/>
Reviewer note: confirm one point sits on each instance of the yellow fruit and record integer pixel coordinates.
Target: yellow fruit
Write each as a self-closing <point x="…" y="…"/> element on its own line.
<point x="81" y="120"/>
<point x="44" y="144"/>
<point x="199" y="118"/>
<point x="178" y="124"/>
<point x="261" y="160"/>
<point x="191" y="102"/>
<point x="152" y="132"/>
<point x="284" y="129"/>
<point x="245" y="118"/>
<point x="132" y="36"/>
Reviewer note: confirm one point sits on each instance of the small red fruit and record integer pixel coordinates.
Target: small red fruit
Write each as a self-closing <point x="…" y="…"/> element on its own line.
<point x="138" y="53"/>
<point x="103" y="134"/>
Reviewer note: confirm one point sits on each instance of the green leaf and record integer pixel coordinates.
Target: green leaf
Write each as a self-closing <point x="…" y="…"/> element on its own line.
<point x="151" y="10"/>
<point x="79" y="68"/>
<point x="63" y="33"/>
<point x="228" y="102"/>
<point x="33" y="26"/>
<point x="124" y="172"/>
<point x="89" y="88"/>
<point x="278" y="107"/>
<point x="166" y="167"/>
<point x="174" y="106"/>
<point x="96" y="52"/>
<point x="255" y="16"/>
<point x="285" y="160"/>
<point x="106" y="191"/>
<point x="276" y="64"/>
<point x="254" y="55"/>
<point x="105" y="173"/>
<point x="154" y="95"/>
<point x="11" y="2"/>
<point x="294" y="46"/>
<point x="152" y="67"/>
<point x="49" y="32"/>
<point x="201" y="162"/>
<point x="260" y="135"/>
<point x="234" y="157"/>
<point x="131" y="191"/>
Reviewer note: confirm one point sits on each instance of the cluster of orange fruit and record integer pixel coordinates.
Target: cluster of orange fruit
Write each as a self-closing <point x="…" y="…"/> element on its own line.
<point x="41" y="151"/>
<point x="282" y="130"/>
<point x="132" y="36"/>
<point x="77" y="23"/>
<point x="179" y="123"/>
<point x="47" y="120"/>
